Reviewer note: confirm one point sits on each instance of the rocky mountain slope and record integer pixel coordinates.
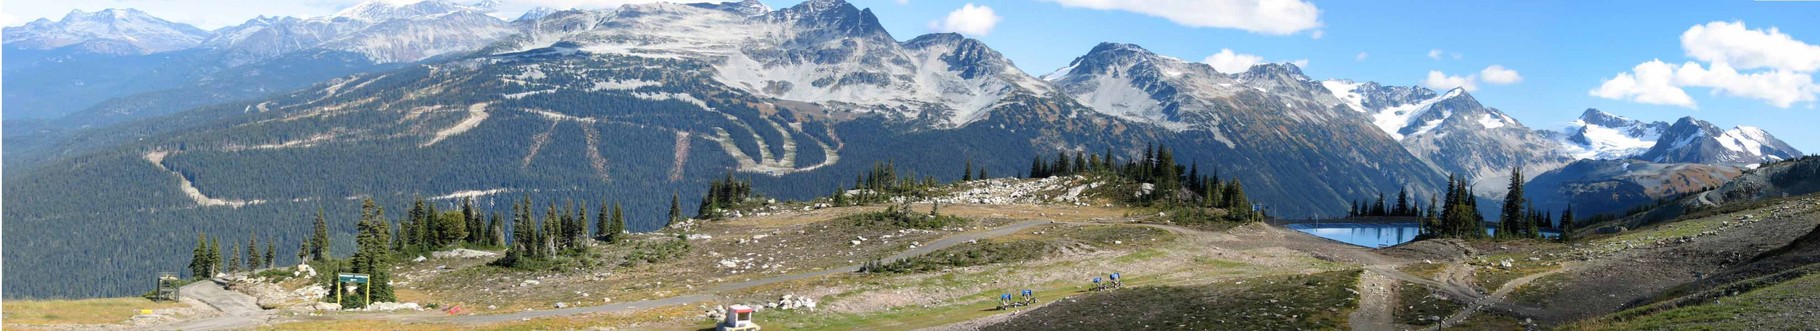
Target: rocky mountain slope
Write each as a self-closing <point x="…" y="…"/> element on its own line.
<point x="1691" y="140"/>
<point x="1594" y="186"/>
<point x="1452" y="131"/>
<point x="1600" y="135"/>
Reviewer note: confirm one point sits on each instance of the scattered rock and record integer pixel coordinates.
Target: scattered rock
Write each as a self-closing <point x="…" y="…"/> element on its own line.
<point x="463" y="253"/>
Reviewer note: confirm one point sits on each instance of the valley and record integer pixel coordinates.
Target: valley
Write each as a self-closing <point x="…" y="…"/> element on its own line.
<point x="500" y="165"/>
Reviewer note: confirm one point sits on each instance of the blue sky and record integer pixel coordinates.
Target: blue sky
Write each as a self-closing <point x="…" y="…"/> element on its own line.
<point x="1564" y="51"/>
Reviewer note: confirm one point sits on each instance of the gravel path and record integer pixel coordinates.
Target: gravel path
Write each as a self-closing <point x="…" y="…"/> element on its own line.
<point x="238" y="311"/>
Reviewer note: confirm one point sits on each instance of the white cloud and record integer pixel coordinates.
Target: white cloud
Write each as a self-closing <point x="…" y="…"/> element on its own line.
<point x="1442" y="81"/>
<point x="1318" y="34"/>
<point x="1434" y="54"/>
<point x="1361" y="56"/>
<point x="1785" y="75"/>
<point x="1497" y="74"/>
<point x="1651" y="82"/>
<point x="1277" y="17"/>
<point x="1228" y="62"/>
<point x="903" y="2"/>
<point x="1743" y="48"/>
<point x="969" y="19"/>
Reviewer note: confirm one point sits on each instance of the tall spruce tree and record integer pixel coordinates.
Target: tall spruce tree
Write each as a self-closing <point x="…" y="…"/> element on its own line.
<point x="967" y="174"/>
<point x="675" y="210"/>
<point x="1567" y="224"/>
<point x="319" y="243"/>
<point x="1512" y="217"/>
<point x="252" y="254"/>
<point x="199" y="258"/>
<point x="618" y="230"/>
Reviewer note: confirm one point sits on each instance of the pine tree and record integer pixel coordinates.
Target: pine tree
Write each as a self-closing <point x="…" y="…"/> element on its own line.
<point x="603" y="222"/>
<point x="1036" y="167"/>
<point x="303" y="251"/>
<point x="319" y="244"/>
<point x="215" y="258"/>
<point x="271" y="254"/>
<point x="967" y="174"/>
<point x="1402" y="208"/>
<point x="1567" y="224"/>
<point x="496" y="231"/>
<point x="1237" y="205"/>
<point x="675" y="210"/>
<point x="982" y="174"/>
<point x="618" y="230"/>
<point x="1513" y="207"/>
<point x="234" y="259"/>
<point x="252" y="254"/>
<point x="1377" y="209"/>
<point x="372" y="255"/>
<point x="475" y="226"/>
<point x="199" y="258"/>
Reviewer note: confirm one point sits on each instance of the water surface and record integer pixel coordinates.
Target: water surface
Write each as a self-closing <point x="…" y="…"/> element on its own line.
<point x="1373" y="234"/>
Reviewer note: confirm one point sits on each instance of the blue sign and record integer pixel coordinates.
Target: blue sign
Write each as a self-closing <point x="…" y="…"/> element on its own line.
<point x="352" y="278"/>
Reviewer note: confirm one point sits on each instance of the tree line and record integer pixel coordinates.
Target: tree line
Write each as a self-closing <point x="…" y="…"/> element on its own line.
<point x="1459" y="215"/>
<point x="1173" y="185"/>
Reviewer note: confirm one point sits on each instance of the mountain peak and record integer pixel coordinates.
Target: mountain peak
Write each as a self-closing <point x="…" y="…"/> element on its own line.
<point x="1691" y="140"/>
<point x="1119" y="48"/>
<point x="110" y="31"/>
<point x="536" y="13"/>
<point x="837" y="15"/>
<point x="746" y="7"/>
<point x="385" y="10"/>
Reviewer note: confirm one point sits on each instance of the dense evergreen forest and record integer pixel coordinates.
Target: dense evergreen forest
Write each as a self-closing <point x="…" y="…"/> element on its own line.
<point x="103" y="221"/>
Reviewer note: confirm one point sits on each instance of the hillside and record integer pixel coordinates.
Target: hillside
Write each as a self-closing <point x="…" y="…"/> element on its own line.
<point x="804" y="264"/>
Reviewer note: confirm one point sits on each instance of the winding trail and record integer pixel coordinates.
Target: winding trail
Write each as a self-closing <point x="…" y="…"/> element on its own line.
<point x="239" y="311"/>
<point x="1496" y="298"/>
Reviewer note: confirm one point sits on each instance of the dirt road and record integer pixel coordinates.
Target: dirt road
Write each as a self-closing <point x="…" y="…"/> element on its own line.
<point x="238" y="311"/>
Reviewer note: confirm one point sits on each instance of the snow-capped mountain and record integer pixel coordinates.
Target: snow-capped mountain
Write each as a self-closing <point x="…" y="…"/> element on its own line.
<point x="382" y="31"/>
<point x="1271" y="115"/>
<point x="821" y="51"/>
<point x="1451" y="130"/>
<point x="1691" y="140"/>
<point x="1133" y="83"/>
<point x="111" y="31"/>
<point x="1604" y="136"/>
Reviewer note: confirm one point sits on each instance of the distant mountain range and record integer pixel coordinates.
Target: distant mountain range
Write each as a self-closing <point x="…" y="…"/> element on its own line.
<point x="150" y="127"/>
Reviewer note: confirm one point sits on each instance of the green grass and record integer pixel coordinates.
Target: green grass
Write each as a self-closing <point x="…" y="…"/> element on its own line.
<point x="1302" y="302"/>
<point x="1520" y="265"/>
<point x="967" y="255"/>
<point x="894" y="217"/>
<point x="1537" y="292"/>
<point x="962" y="309"/>
<point x="1785" y="305"/>
<point x="1424" y="270"/>
<point x="1140" y="255"/>
<point x="1418" y="305"/>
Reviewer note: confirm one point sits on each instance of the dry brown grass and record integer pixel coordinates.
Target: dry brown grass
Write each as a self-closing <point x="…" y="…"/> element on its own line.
<point x="86" y="311"/>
